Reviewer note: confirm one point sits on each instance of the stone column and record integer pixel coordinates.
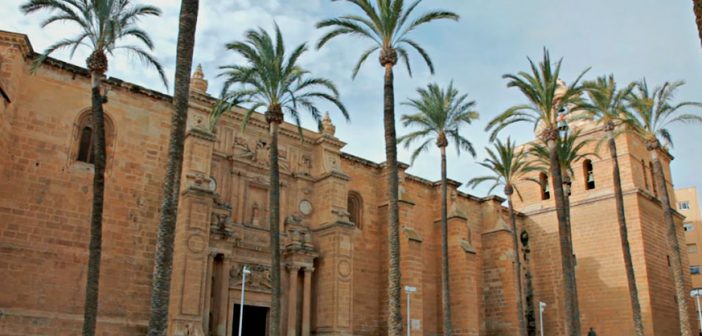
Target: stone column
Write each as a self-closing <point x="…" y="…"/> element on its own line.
<point x="306" y="301"/>
<point x="292" y="300"/>
<point x="223" y="297"/>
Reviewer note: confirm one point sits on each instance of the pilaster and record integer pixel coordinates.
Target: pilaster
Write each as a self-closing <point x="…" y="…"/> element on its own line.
<point x="331" y="183"/>
<point x="190" y="253"/>
<point x="334" y="280"/>
<point x="411" y="266"/>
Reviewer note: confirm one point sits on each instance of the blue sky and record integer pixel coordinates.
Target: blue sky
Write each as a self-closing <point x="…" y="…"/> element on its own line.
<point x="629" y="38"/>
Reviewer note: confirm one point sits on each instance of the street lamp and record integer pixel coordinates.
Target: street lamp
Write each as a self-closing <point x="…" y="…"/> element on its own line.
<point x="244" y="272"/>
<point x="409" y="290"/>
<point x="696" y="293"/>
<point x="542" y="306"/>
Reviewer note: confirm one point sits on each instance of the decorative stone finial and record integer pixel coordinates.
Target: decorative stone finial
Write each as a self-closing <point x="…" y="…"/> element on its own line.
<point x="198" y="83"/>
<point x="328" y="127"/>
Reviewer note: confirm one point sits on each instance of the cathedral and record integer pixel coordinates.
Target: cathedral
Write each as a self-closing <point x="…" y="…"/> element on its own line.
<point x="333" y="226"/>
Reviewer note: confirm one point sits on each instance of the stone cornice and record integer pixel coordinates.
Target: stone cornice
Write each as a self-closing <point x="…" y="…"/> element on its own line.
<point x="200" y="134"/>
<point x="643" y="193"/>
<point x="328" y="139"/>
<point x="449" y="182"/>
<point x="337" y="224"/>
<point x="358" y="159"/>
<point x="20" y="40"/>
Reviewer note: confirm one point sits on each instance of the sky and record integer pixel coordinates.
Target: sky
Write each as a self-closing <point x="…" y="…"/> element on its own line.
<point x="631" y="39"/>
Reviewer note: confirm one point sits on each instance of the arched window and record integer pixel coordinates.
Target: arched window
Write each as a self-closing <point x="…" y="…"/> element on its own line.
<point x="589" y="175"/>
<point x="355" y="208"/>
<point x="83" y="138"/>
<point x="85" y="145"/>
<point x="545" y="188"/>
<point x="643" y="170"/>
<point x="653" y="180"/>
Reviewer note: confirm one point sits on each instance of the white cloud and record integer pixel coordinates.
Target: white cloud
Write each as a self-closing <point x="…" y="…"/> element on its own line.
<point x="630" y="38"/>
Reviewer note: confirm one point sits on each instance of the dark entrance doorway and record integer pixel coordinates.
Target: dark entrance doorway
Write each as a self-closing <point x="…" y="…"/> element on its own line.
<point x="255" y="321"/>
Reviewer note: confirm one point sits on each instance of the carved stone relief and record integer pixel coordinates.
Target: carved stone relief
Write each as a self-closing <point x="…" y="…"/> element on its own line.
<point x="259" y="278"/>
<point x="221" y="224"/>
<point x="258" y="153"/>
<point x="299" y="239"/>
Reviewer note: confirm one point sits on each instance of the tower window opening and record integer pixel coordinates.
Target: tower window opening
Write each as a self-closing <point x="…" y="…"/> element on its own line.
<point x="545" y="188"/>
<point x="589" y="173"/>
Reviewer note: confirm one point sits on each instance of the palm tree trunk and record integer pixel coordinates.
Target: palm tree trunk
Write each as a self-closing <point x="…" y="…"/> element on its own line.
<point x="624" y="236"/>
<point x="675" y="260"/>
<point x="163" y="263"/>
<point x="95" y="249"/>
<point x="395" y="315"/>
<point x="445" y="289"/>
<point x="274" y="221"/>
<point x="572" y="314"/>
<point x="517" y="264"/>
<point x="697" y="8"/>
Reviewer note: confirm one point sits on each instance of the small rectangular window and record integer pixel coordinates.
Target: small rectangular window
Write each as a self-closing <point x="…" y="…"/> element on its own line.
<point x="695" y="269"/>
<point x="688" y="227"/>
<point x="691" y="248"/>
<point x="684" y="205"/>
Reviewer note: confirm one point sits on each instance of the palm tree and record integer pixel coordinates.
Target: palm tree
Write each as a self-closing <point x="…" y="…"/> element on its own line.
<point x="653" y="112"/>
<point x="607" y="107"/>
<point x="697" y="8"/>
<point x="570" y="148"/>
<point x="440" y="115"/>
<point x="387" y="25"/>
<point x="547" y="95"/>
<point x="163" y="259"/>
<point x="102" y="24"/>
<point x="508" y="166"/>
<point x="275" y="81"/>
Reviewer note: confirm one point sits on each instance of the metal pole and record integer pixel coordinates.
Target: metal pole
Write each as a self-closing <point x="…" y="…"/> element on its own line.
<point x="409" y="290"/>
<point x="244" y="271"/>
<point x="699" y="313"/>
<point x="542" y="306"/>
<point x="541" y="322"/>
<point x="408" y="314"/>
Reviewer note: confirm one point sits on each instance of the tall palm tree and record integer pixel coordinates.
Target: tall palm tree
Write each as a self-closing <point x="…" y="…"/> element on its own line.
<point x="653" y="112"/>
<point x="508" y="165"/>
<point x="547" y="96"/>
<point x="103" y="25"/>
<point x="274" y="80"/>
<point x="163" y="259"/>
<point x="607" y="107"/>
<point x="571" y="148"/>
<point x="387" y="25"/>
<point x="440" y="116"/>
<point x="697" y="8"/>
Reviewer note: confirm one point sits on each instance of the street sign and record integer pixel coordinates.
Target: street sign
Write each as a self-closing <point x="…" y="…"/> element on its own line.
<point x="697" y="292"/>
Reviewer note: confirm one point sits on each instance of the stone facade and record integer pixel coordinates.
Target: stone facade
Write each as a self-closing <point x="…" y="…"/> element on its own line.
<point x="333" y="224"/>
